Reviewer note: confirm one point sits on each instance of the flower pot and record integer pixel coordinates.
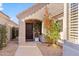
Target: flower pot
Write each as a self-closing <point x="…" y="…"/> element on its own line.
<point x="36" y="39"/>
<point x="42" y="39"/>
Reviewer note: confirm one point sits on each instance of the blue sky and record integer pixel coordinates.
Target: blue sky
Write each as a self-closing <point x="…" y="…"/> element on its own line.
<point x="12" y="9"/>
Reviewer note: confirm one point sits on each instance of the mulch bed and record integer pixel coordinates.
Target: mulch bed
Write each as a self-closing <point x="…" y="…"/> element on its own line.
<point x="50" y="50"/>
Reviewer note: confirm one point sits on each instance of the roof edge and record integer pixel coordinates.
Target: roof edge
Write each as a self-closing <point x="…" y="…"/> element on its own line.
<point x="8" y="17"/>
<point x="35" y="5"/>
<point x="4" y="14"/>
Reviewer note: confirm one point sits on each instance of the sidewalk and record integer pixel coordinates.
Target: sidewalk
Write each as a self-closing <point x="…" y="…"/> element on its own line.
<point x="71" y="49"/>
<point x="10" y="49"/>
<point x="28" y="49"/>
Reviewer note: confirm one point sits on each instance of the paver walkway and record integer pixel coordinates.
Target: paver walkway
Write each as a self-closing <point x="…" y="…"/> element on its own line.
<point x="28" y="49"/>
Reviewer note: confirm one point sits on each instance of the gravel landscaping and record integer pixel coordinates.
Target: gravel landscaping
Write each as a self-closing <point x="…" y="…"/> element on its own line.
<point x="10" y="49"/>
<point x="50" y="50"/>
<point x="44" y="48"/>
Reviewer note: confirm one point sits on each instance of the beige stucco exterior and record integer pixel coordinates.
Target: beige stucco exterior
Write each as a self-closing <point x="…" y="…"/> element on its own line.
<point x="5" y="20"/>
<point x="54" y="10"/>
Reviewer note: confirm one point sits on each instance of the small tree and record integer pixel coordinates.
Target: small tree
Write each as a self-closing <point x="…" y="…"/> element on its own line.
<point x="54" y="31"/>
<point x="52" y="28"/>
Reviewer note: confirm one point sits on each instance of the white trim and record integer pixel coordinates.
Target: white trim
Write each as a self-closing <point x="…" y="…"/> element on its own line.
<point x="60" y="18"/>
<point x="65" y="22"/>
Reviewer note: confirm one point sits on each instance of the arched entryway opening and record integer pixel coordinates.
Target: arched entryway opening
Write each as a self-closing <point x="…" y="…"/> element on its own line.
<point x="33" y="29"/>
<point x="13" y="33"/>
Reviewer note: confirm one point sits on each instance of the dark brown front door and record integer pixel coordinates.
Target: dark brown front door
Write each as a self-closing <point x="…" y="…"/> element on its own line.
<point x="29" y="31"/>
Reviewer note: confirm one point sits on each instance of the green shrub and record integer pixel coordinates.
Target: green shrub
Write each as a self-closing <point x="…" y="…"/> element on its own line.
<point x="3" y="37"/>
<point x="1" y="41"/>
<point x="53" y="33"/>
<point x="48" y="40"/>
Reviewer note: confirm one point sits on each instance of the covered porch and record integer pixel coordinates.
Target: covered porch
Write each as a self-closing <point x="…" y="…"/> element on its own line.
<point x="33" y="29"/>
<point x="33" y="16"/>
<point x="36" y="14"/>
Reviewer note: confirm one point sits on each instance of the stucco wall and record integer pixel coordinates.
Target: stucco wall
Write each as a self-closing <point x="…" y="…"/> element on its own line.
<point x="21" y="32"/>
<point x="53" y="9"/>
<point x="5" y="20"/>
<point x="2" y="21"/>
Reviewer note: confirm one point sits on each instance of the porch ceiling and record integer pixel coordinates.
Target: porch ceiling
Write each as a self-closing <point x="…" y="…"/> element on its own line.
<point x="53" y="9"/>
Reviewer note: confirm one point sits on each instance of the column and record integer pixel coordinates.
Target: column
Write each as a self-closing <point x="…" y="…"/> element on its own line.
<point x="21" y="32"/>
<point x="65" y="22"/>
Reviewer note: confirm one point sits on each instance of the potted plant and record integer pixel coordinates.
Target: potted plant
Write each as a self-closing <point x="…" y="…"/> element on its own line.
<point x="36" y="31"/>
<point x="37" y="35"/>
